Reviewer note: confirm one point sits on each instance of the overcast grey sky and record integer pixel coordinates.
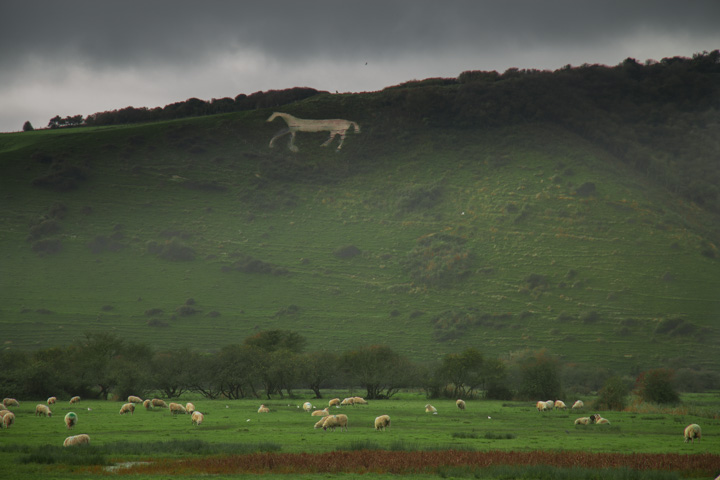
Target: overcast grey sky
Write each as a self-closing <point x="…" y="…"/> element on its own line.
<point x="69" y="57"/>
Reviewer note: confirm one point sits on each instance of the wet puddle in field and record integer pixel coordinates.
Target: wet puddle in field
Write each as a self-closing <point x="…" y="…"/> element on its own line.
<point x="122" y="465"/>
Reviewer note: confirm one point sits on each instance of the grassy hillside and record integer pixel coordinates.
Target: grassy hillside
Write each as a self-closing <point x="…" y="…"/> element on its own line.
<point x="426" y="236"/>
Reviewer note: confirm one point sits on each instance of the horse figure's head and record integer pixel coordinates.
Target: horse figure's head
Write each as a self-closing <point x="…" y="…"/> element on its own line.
<point x="273" y="116"/>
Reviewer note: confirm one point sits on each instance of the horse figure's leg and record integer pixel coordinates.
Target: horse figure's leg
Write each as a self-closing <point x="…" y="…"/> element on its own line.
<point x="333" y="134"/>
<point x="342" y="138"/>
<point x="291" y="144"/>
<point x="279" y="134"/>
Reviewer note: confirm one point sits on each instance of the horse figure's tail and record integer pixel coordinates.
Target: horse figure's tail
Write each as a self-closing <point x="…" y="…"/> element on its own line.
<point x="356" y="126"/>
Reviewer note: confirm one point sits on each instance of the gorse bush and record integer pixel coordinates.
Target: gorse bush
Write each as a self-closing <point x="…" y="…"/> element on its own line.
<point x="438" y="260"/>
<point x="656" y="386"/>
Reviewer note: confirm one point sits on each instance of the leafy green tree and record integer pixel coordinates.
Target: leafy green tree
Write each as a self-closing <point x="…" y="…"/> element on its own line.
<point x="540" y="377"/>
<point x="271" y="340"/>
<point x="132" y="370"/>
<point x="656" y="386"/>
<point x="378" y="369"/>
<point x="238" y="369"/>
<point x="92" y="361"/>
<point x="27" y="127"/>
<point x="169" y="371"/>
<point x="613" y="395"/>
<point x="318" y="370"/>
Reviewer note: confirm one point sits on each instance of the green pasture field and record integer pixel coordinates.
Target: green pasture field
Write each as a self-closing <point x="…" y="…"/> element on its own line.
<point x="236" y="427"/>
<point x="612" y="266"/>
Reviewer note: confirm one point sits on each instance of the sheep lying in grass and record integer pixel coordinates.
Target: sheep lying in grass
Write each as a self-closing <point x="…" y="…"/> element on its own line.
<point x="320" y="413"/>
<point x="560" y="405"/>
<point x="189" y="408"/>
<point x="156" y="402"/>
<point x="692" y="432"/>
<point x="460" y="404"/>
<point x="71" y="420"/>
<point x="598" y="420"/>
<point x="582" y="421"/>
<point x="307" y="406"/>
<point x="382" y="422"/>
<point x="333" y="421"/>
<point x="263" y="409"/>
<point x="42" y="410"/>
<point x="8" y="419"/>
<point x="176" y="408"/>
<point x="359" y="401"/>
<point x="148" y="404"/>
<point x="197" y="418"/>
<point x="541" y="406"/>
<point x="10" y="402"/>
<point x="348" y="401"/>
<point x="430" y="409"/>
<point x="134" y="399"/>
<point x="74" y="399"/>
<point x="578" y="404"/>
<point x="51" y="400"/>
<point x="127" y="408"/>
<point x="335" y="402"/>
<point x="82" y="439"/>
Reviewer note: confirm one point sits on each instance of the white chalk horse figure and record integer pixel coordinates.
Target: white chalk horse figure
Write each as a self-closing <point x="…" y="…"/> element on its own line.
<point x="335" y="127"/>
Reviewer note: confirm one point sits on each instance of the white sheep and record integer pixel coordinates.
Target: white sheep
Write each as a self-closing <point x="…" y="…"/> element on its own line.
<point x="382" y="422"/>
<point x="127" y="408"/>
<point x="560" y="405"/>
<point x="692" y="432"/>
<point x="582" y="421"/>
<point x="82" y="439"/>
<point x="10" y="402"/>
<point x="42" y="410"/>
<point x="348" y="401"/>
<point x="541" y="406"/>
<point x="8" y="419"/>
<point x="189" y="408"/>
<point x="550" y="404"/>
<point x="197" y="418"/>
<point x="148" y="404"/>
<point x="71" y="419"/>
<point x="307" y="406"/>
<point x="460" y="404"/>
<point x="333" y="421"/>
<point x="176" y="408"/>
<point x="51" y="400"/>
<point x="3" y="412"/>
<point x="578" y="404"/>
<point x="157" y="402"/>
<point x="320" y="423"/>
<point x="598" y="420"/>
<point x="134" y="399"/>
<point x="359" y="401"/>
<point x="263" y="409"/>
<point x="335" y="402"/>
<point x="320" y="413"/>
<point x="430" y="409"/>
<point x="74" y="399"/>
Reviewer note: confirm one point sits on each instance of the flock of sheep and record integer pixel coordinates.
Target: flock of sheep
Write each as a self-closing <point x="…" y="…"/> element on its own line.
<point x="328" y="420"/>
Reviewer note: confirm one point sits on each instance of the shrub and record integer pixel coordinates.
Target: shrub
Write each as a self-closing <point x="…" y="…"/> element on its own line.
<point x="174" y="250"/>
<point x="419" y="197"/>
<point x="101" y="244"/>
<point x="656" y="386"/>
<point x="44" y="228"/>
<point x="438" y="260"/>
<point x="61" y="178"/>
<point x="613" y="395"/>
<point x="47" y="246"/>
<point x="348" y="251"/>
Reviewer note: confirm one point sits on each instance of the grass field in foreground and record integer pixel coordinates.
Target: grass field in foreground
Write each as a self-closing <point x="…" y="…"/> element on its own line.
<point x="235" y="427"/>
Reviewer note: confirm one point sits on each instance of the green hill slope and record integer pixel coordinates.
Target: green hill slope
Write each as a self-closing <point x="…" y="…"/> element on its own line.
<point x="423" y="234"/>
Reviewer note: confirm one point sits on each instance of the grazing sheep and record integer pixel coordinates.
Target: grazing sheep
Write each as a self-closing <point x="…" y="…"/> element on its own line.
<point x="320" y="422"/>
<point x="42" y="410"/>
<point x="156" y="402"/>
<point x="127" y="408"/>
<point x="550" y="404"/>
<point x="560" y="405"/>
<point x="71" y="420"/>
<point x="51" y="400"/>
<point x="307" y="406"/>
<point x="460" y="404"/>
<point x="348" y="401"/>
<point x="263" y="409"/>
<point x="333" y="421"/>
<point x="2" y="413"/>
<point x="382" y="422"/>
<point x="582" y="421"/>
<point x="541" y="406"/>
<point x="82" y="439"/>
<point x="430" y="409"/>
<point x="692" y="432"/>
<point x="8" y="419"/>
<point x="197" y="418"/>
<point x="189" y="408"/>
<point x="335" y="402"/>
<point x="10" y="402"/>
<point x="134" y="399"/>
<point x="320" y="413"/>
<point x="74" y="399"/>
<point x="578" y="404"/>
<point x="176" y="408"/>
<point x="148" y="404"/>
<point x="359" y="401"/>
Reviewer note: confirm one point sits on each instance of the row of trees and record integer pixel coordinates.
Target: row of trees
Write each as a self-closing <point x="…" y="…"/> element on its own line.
<point x="274" y="363"/>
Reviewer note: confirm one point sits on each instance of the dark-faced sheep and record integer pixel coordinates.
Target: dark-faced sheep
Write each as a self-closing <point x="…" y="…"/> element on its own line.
<point x="127" y="408"/>
<point x="71" y="419"/>
<point x="382" y="422"/>
<point x="42" y="410"/>
<point x="692" y="432"/>
<point x="460" y="404"/>
<point x="333" y="421"/>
